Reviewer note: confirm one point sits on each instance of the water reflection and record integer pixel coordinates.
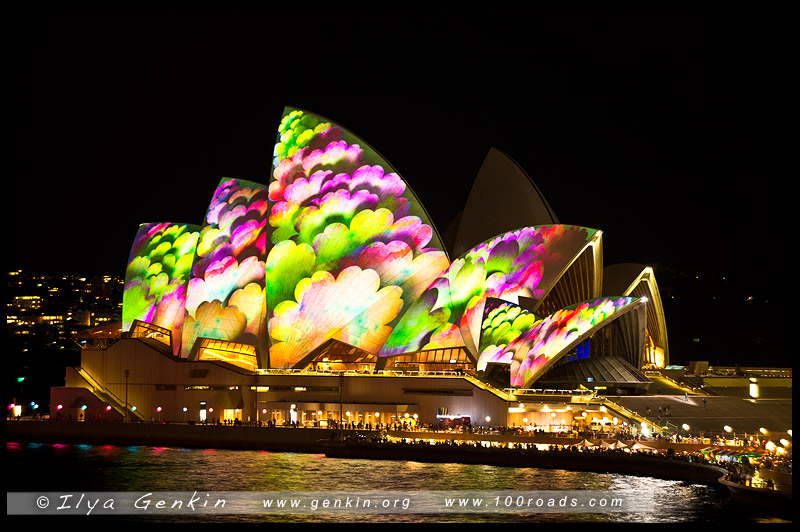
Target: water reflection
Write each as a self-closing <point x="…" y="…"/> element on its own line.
<point x="109" y="468"/>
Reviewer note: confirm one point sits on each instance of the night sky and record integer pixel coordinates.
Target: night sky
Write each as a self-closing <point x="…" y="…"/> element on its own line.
<point x="664" y="128"/>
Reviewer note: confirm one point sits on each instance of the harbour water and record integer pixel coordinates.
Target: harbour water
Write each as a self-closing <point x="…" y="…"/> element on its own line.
<point x="76" y="469"/>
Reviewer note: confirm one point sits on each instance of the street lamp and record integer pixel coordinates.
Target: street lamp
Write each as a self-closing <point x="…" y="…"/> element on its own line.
<point x="127" y="374"/>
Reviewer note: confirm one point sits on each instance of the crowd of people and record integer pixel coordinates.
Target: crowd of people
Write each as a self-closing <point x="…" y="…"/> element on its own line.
<point x="742" y="469"/>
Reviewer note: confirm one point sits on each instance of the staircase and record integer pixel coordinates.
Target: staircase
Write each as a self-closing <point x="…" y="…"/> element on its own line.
<point x="107" y="397"/>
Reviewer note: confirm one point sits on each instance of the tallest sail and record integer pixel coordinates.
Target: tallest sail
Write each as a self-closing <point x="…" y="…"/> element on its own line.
<point x="352" y="245"/>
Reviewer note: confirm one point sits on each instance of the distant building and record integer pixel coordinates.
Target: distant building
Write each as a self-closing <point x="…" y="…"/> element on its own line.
<point x="330" y="291"/>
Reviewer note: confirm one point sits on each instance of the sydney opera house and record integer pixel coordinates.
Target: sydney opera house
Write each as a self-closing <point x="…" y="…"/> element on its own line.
<point x="329" y="293"/>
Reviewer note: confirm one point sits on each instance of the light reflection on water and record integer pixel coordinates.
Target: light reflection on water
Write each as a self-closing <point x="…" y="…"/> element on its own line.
<point x="74" y="468"/>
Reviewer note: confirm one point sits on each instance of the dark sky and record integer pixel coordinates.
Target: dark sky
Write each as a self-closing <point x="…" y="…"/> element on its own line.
<point x="664" y="128"/>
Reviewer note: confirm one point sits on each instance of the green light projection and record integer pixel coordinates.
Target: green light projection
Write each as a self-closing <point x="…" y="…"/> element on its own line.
<point x="157" y="275"/>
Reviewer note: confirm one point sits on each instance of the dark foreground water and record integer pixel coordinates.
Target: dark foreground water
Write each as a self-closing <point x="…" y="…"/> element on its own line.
<point x="76" y="469"/>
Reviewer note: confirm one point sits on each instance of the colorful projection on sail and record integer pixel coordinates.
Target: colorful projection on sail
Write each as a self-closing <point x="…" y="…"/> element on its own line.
<point x="503" y="322"/>
<point x="157" y="275"/>
<point x="352" y="247"/>
<point x="226" y="297"/>
<point x="530" y="353"/>
<point x="526" y="263"/>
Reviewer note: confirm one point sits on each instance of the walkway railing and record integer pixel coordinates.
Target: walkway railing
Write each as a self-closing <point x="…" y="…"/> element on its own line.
<point x="631" y="415"/>
<point x="106" y="395"/>
<point x="453" y="374"/>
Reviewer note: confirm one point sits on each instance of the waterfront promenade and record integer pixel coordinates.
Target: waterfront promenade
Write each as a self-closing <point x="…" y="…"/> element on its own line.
<point x="249" y="437"/>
